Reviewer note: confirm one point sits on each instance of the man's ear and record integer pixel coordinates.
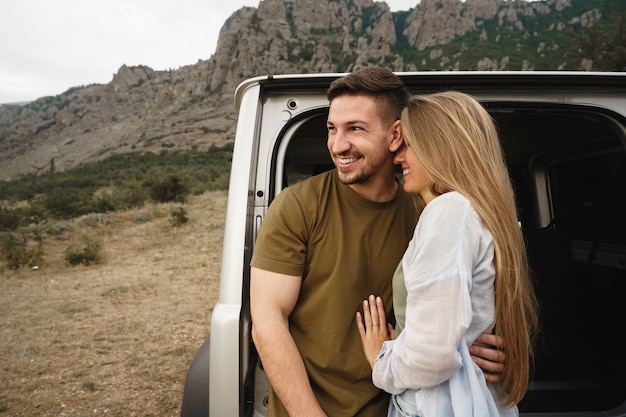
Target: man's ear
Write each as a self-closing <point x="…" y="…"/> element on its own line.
<point x="396" y="136"/>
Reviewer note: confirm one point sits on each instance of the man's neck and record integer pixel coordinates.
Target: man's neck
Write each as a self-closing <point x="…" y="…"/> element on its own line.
<point x="379" y="190"/>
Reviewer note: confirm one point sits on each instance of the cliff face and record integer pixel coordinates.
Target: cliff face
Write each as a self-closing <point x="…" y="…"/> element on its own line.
<point x="301" y="36"/>
<point x="139" y="110"/>
<point x="146" y="110"/>
<point x="308" y="36"/>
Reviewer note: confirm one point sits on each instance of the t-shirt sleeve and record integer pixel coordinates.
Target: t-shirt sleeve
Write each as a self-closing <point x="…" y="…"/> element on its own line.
<point x="282" y="240"/>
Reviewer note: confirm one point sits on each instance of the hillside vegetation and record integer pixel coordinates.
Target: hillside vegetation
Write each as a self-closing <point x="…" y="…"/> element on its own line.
<point x="35" y="207"/>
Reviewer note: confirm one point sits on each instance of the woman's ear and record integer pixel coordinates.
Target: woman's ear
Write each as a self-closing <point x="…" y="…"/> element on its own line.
<point x="396" y="136"/>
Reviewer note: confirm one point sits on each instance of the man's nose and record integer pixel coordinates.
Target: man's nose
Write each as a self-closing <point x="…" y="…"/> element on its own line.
<point x="339" y="142"/>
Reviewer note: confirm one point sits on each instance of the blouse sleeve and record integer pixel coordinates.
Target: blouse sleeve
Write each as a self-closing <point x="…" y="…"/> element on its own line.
<point x="438" y="267"/>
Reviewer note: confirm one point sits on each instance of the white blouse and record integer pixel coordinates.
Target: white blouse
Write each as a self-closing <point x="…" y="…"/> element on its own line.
<point x="449" y="277"/>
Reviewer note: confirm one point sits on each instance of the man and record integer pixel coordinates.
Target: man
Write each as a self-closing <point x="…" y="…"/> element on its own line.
<point x="324" y="246"/>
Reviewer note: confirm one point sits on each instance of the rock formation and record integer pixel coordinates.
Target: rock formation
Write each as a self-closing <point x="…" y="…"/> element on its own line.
<point x="191" y="108"/>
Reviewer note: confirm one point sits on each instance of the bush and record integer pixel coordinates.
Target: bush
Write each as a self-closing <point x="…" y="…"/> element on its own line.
<point x="93" y="219"/>
<point x="130" y="195"/>
<point x="178" y="216"/>
<point x="9" y="218"/>
<point x="104" y="202"/>
<point x="89" y="252"/>
<point x="21" y="248"/>
<point x="58" y="229"/>
<point x="68" y="203"/>
<point x="168" y="189"/>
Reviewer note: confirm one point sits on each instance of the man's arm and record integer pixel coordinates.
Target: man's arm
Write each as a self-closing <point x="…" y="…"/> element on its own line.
<point x="488" y="353"/>
<point x="273" y="297"/>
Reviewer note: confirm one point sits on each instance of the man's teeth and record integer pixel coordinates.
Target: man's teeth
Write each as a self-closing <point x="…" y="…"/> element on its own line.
<point x="346" y="160"/>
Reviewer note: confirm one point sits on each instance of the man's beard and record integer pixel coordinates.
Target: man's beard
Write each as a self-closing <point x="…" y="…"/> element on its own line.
<point x="360" y="177"/>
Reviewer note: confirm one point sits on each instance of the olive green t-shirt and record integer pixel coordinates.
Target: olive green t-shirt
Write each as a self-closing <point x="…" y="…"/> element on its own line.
<point x="345" y="247"/>
<point x="399" y="299"/>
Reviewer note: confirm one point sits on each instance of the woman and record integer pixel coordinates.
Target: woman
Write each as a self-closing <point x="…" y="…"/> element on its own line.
<point x="465" y="271"/>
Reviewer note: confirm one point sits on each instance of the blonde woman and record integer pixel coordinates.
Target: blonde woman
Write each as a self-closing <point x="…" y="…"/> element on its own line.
<point x="464" y="272"/>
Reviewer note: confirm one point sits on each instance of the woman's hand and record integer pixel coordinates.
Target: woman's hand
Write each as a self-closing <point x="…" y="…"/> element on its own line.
<point x="373" y="328"/>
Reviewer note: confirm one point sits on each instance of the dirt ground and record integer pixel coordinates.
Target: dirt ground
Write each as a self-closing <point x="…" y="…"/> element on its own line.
<point x="115" y="338"/>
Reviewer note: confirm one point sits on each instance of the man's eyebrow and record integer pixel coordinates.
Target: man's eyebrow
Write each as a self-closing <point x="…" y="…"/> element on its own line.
<point x="356" y="122"/>
<point x="348" y="122"/>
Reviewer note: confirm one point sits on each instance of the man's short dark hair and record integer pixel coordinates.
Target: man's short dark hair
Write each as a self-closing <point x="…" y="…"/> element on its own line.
<point x="378" y="82"/>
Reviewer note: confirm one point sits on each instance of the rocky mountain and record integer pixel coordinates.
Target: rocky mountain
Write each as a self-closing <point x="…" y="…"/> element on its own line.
<point x="191" y="108"/>
<point x="139" y="110"/>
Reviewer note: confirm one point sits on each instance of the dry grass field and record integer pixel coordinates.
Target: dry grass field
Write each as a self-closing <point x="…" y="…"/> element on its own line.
<point x="115" y="338"/>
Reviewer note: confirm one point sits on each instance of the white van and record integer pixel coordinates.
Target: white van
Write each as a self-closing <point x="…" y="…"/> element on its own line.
<point x="564" y="136"/>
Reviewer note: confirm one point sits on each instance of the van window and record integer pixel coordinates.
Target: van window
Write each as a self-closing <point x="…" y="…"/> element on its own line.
<point x="587" y="196"/>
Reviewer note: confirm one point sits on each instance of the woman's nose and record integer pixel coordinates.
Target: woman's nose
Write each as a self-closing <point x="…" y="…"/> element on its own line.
<point x="398" y="158"/>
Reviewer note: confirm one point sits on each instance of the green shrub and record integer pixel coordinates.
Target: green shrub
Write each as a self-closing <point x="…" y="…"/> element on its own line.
<point x="93" y="219"/>
<point x="88" y="252"/>
<point x="168" y="189"/>
<point x="21" y="248"/>
<point x="130" y="195"/>
<point x="104" y="202"/>
<point x="35" y="212"/>
<point x="9" y="218"/>
<point x="69" y="203"/>
<point x="178" y="216"/>
<point x="58" y="229"/>
<point x="58" y="226"/>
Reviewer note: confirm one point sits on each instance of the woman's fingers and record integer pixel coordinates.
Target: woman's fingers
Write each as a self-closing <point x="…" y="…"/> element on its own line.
<point x="359" y="325"/>
<point x="382" y="317"/>
<point x="373" y="309"/>
<point x="377" y="320"/>
<point x="374" y="317"/>
<point x="372" y="326"/>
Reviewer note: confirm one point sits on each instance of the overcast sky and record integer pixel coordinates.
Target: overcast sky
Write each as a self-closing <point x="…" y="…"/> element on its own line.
<point x="48" y="46"/>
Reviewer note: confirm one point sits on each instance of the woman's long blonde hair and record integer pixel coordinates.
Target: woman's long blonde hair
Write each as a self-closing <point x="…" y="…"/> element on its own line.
<point x="457" y="142"/>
